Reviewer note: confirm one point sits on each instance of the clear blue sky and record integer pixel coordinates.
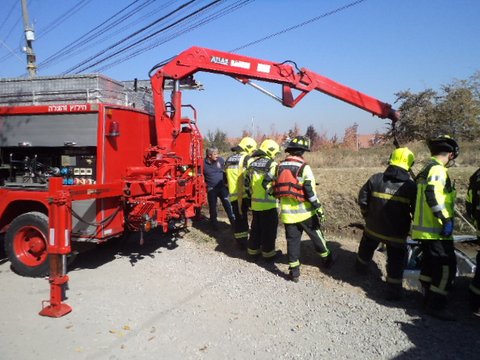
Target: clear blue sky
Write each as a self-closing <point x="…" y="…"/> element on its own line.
<point x="379" y="47"/>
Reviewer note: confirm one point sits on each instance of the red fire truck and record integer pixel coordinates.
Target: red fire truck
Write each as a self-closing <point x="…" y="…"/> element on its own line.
<point x="85" y="169"/>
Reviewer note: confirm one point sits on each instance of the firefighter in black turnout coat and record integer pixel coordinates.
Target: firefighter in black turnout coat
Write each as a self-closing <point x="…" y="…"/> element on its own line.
<point x="387" y="203"/>
<point x="472" y="205"/>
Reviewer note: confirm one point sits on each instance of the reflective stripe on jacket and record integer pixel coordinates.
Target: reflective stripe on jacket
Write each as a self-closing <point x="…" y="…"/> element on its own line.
<point x="293" y="211"/>
<point x="387" y="203"/>
<point x="258" y="179"/>
<point x="235" y="166"/>
<point x="435" y="202"/>
<point x="472" y="202"/>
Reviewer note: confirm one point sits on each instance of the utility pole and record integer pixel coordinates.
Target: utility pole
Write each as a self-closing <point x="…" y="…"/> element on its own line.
<point x="29" y="37"/>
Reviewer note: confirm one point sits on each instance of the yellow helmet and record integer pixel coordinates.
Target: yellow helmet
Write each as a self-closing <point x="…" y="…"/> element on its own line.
<point x="248" y="144"/>
<point x="270" y="148"/>
<point x="402" y="157"/>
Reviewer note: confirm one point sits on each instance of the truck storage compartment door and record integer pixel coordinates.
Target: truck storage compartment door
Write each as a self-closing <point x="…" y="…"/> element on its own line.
<point x="50" y="130"/>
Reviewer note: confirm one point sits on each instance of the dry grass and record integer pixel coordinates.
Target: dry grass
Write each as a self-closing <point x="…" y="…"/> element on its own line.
<point x="378" y="156"/>
<point x="340" y="173"/>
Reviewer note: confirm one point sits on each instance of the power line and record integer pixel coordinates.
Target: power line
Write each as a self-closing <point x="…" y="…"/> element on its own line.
<point x="8" y="14"/>
<point x="63" y="17"/>
<point x="80" y="43"/>
<point x="10" y="50"/>
<point x="176" y="34"/>
<point x="333" y="12"/>
<point x="280" y="32"/>
<point x="15" y="24"/>
<point x="150" y="36"/>
<point x="127" y="38"/>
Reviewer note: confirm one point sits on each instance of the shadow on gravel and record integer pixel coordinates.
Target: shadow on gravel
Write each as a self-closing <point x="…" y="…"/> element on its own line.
<point x="92" y="256"/>
<point x="3" y="254"/>
<point x="227" y="245"/>
<point x="432" y="338"/>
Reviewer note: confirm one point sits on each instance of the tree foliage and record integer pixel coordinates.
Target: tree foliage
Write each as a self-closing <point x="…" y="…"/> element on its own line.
<point x="350" y="139"/>
<point x="453" y="110"/>
<point x="312" y="134"/>
<point x="217" y="139"/>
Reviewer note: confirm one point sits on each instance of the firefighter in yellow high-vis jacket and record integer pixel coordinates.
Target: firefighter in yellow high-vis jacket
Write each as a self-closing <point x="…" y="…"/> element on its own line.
<point x="235" y="167"/>
<point x="258" y="182"/>
<point x="433" y="225"/>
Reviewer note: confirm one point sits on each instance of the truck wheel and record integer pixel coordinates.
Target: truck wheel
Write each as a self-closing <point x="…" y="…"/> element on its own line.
<point x="26" y="244"/>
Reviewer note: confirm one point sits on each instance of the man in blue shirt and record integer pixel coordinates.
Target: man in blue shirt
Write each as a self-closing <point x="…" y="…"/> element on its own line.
<point x="214" y="178"/>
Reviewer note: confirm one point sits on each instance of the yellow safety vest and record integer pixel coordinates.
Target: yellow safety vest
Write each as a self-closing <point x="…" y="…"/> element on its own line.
<point x="259" y="177"/>
<point x="425" y="224"/>
<point x="235" y="167"/>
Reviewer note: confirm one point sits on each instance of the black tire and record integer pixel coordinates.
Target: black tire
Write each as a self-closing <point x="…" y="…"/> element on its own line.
<point x="26" y="244"/>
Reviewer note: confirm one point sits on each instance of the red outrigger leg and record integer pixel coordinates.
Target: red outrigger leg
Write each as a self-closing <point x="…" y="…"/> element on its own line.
<point x="60" y="225"/>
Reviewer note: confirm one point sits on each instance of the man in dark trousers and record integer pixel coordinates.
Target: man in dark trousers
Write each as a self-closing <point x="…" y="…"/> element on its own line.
<point x="387" y="203"/>
<point x="433" y="225"/>
<point x="472" y="204"/>
<point x="300" y="208"/>
<point x="258" y="181"/>
<point x="235" y="167"/>
<point x="214" y="178"/>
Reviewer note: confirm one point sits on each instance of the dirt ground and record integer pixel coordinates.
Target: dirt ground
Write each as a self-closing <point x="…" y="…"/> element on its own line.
<point x="197" y="297"/>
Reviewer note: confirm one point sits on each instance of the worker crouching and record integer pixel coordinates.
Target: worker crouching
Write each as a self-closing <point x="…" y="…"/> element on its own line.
<point x="299" y="205"/>
<point x="387" y="203"/>
<point x="258" y="183"/>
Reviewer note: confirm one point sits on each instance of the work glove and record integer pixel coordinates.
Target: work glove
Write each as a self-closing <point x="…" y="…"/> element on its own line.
<point x="447" y="229"/>
<point x="320" y="213"/>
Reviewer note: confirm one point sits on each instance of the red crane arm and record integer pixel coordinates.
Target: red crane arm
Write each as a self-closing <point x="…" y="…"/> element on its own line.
<point x="245" y="69"/>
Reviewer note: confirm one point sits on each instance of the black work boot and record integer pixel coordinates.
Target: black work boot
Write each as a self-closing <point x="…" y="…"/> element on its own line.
<point x="394" y="292"/>
<point x="436" y="307"/>
<point x="327" y="262"/>
<point x="441" y="314"/>
<point x="361" y="268"/>
<point x="214" y="224"/>
<point x="474" y="301"/>
<point x="294" y="274"/>
<point x="241" y="243"/>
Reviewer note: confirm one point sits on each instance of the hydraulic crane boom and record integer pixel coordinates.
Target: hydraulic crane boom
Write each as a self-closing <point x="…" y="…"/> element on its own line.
<point x="245" y="69"/>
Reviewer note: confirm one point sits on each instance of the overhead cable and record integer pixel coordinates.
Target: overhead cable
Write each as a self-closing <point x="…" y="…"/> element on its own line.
<point x="148" y="37"/>
<point x="60" y="19"/>
<point x="83" y="63"/>
<point x="316" y="18"/>
<point x="2" y="23"/>
<point x="79" y="44"/>
<point x="184" y="29"/>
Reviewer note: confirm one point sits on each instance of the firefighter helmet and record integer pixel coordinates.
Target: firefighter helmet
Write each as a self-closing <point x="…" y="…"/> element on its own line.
<point x="443" y="143"/>
<point x="299" y="143"/>
<point x="403" y="158"/>
<point x="270" y="148"/>
<point x="247" y="144"/>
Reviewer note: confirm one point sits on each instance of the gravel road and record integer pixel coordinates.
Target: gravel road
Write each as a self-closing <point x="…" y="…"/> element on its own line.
<point x="198" y="298"/>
